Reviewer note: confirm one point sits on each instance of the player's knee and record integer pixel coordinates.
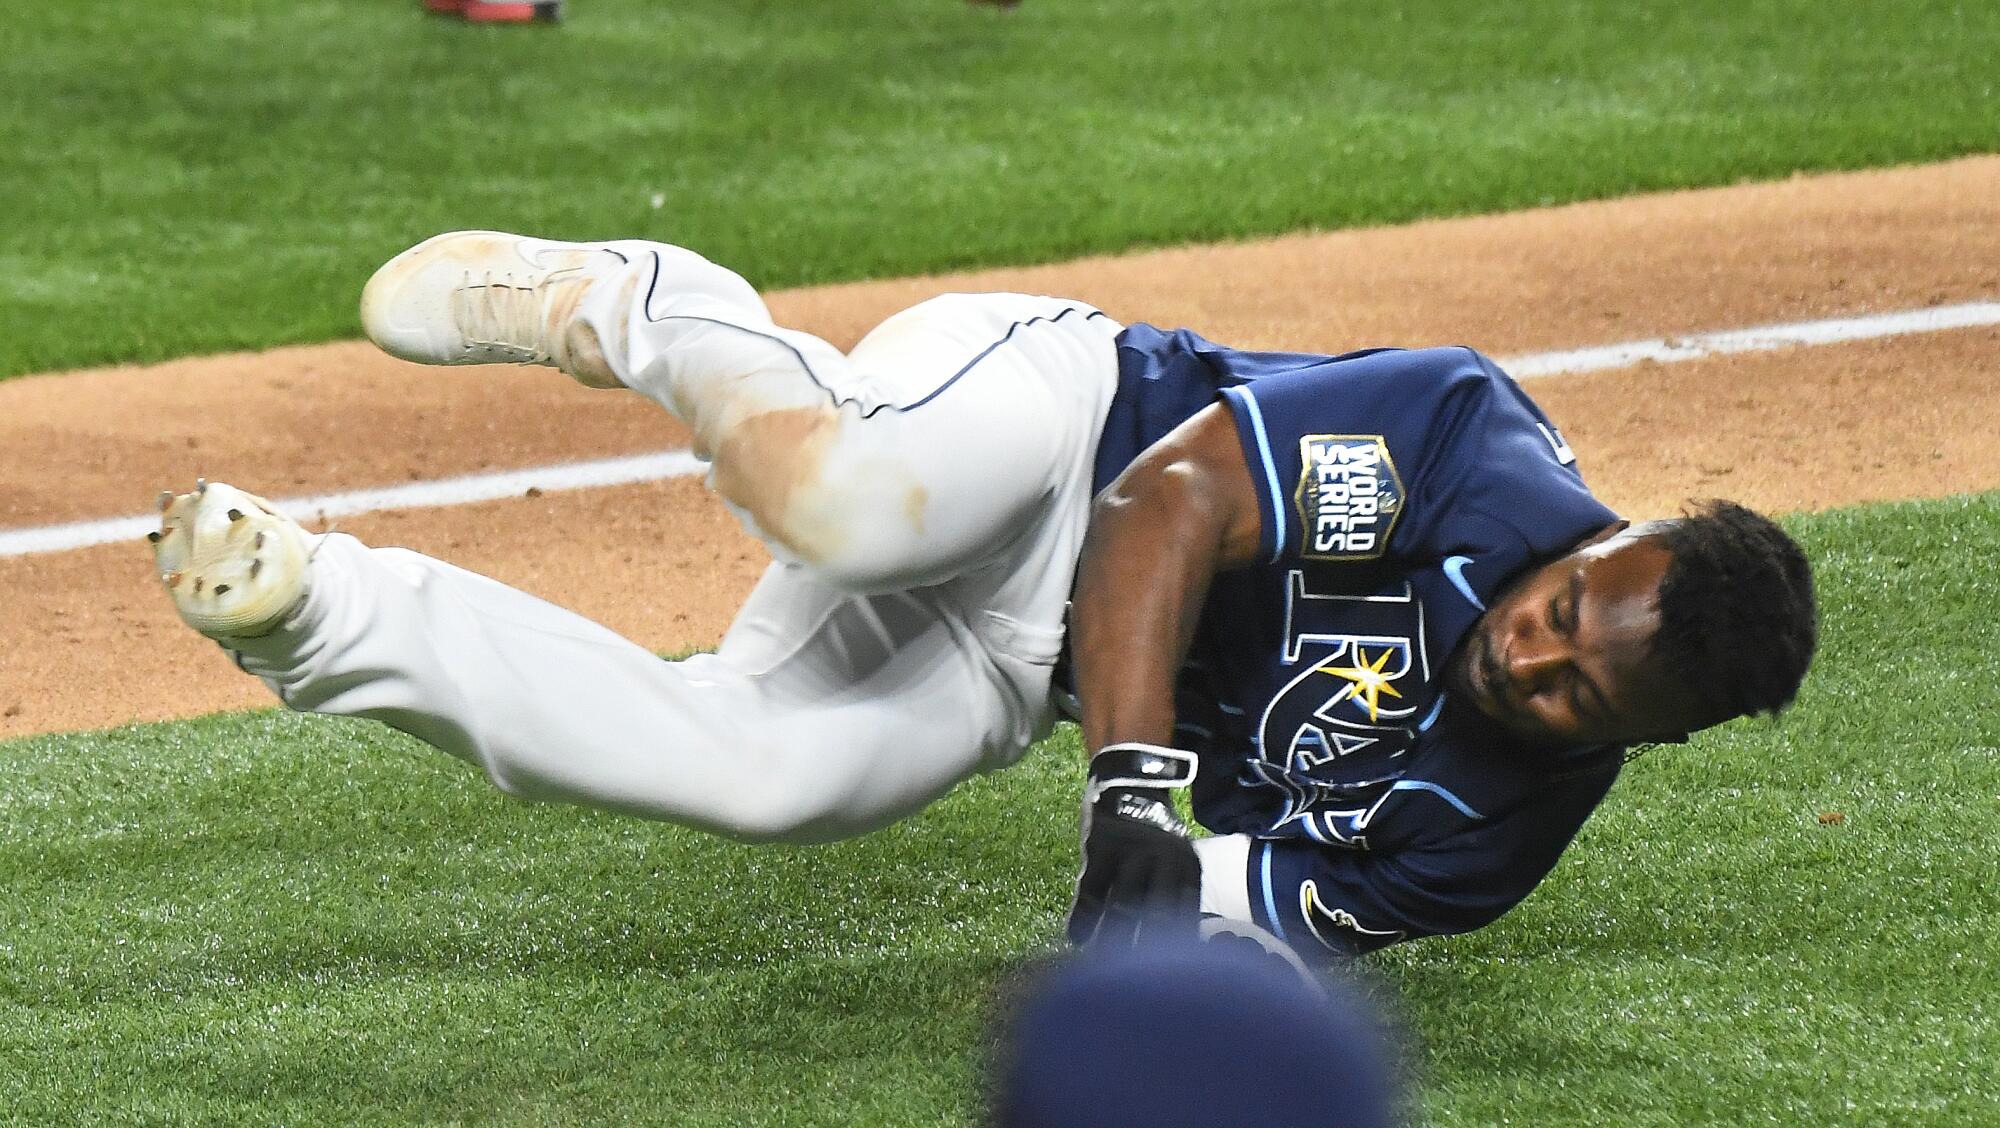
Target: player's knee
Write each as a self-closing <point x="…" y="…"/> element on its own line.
<point x="860" y="541"/>
<point x="802" y="794"/>
<point x="820" y="495"/>
<point x="869" y="571"/>
<point x="766" y="815"/>
<point x="746" y="805"/>
<point x="521" y="786"/>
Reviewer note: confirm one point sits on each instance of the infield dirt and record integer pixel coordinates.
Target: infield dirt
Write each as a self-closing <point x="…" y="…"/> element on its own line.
<point x="90" y="643"/>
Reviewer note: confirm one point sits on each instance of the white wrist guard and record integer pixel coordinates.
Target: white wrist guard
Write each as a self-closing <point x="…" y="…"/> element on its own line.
<point x="1133" y="764"/>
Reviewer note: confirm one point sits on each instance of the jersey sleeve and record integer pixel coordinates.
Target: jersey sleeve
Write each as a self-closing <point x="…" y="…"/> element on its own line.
<point x="1347" y="901"/>
<point x="1342" y="902"/>
<point x="1409" y="456"/>
<point x="1343" y="453"/>
<point x="1516" y="483"/>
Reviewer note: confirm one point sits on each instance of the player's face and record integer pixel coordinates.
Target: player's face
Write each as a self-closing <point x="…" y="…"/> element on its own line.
<point x="1563" y="656"/>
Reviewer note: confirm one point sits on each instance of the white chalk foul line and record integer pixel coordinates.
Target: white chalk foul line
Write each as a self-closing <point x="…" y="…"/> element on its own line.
<point x="679" y="463"/>
<point x="1762" y="338"/>
<point x="415" y="495"/>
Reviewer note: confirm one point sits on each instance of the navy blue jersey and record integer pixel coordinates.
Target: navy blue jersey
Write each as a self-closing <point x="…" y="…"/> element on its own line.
<point x="1399" y="490"/>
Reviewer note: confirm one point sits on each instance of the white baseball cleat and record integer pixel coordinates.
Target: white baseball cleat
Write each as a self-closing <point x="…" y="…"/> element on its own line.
<point x="233" y="565"/>
<point x="487" y="297"/>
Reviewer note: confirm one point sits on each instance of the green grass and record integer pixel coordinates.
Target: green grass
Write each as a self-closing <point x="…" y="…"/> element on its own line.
<point x="266" y="919"/>
<point x="187" y="177"/>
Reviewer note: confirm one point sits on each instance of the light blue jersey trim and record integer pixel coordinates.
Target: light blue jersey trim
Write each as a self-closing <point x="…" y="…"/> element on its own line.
<point x="1271" y="902"/>
<point x="1440" y="792"/>
<point x="1454" y="570"/>
<point x="1431" y="717"/>
<point x="1270" y="468"/>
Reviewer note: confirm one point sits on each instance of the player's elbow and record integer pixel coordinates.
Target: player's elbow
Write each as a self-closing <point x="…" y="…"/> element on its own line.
<point x="1450" y="908"/>
<point x="1462" y="919"/>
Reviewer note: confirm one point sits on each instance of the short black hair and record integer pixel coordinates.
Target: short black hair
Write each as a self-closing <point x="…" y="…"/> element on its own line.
<point x="1738" y="622"/>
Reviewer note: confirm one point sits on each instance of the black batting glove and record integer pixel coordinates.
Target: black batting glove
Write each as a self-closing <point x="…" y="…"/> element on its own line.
<point x="1140" y="875"/>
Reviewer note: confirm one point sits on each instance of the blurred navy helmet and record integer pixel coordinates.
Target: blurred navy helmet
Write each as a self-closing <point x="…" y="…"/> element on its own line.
<point x="1186" y="1034"/>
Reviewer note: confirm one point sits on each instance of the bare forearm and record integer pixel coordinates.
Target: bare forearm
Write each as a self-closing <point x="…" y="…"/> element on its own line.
<point x="1183" y="511"/>
<point x="1143" y="577"/>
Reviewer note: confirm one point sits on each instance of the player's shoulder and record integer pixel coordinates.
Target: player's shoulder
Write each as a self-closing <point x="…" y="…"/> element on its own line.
<point x="1456" y="375"/>
<point x="1453" y="367"/>
<point x="1477" y="416"/>
<point x="1449" y="401"/>
<point x="1437" y="362"/>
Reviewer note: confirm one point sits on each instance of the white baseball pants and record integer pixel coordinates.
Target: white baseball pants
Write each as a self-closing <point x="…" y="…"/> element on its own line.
<point x="925" y="495"/>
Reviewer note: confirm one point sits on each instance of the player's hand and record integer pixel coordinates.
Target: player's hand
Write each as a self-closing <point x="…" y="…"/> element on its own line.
<point x="1140" y="875"/>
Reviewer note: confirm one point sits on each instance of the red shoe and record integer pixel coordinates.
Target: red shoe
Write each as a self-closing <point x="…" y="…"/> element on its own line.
<point x="511" y="11"/>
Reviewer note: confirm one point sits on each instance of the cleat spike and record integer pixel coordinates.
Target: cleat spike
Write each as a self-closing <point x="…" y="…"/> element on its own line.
<point x="165" y="499"/>
<point x="155" y="536"/>
<point x="222" y="586"/>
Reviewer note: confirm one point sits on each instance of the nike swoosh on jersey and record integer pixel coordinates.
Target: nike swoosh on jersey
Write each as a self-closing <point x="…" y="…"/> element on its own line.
<point x="1454" y="570"/>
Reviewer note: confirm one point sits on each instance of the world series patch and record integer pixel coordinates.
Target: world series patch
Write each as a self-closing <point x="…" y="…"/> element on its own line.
<point x="1349" y="496"/>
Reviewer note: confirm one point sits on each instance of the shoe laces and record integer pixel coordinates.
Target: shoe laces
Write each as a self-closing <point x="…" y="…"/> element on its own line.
<point x="508" y="314"/>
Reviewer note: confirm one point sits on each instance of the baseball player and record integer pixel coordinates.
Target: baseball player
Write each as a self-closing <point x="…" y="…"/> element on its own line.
<point x="1363" y="606"/>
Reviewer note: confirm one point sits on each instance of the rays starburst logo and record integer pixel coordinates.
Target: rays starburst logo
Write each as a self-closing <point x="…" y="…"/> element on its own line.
<point x="1366" y="682"/>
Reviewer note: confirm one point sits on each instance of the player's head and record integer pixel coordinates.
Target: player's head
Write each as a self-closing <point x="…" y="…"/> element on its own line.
<point x="1646" y="632"/>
